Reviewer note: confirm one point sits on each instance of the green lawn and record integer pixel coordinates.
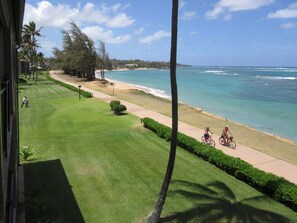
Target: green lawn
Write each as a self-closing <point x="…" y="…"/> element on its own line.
<point x="92" y="166"/>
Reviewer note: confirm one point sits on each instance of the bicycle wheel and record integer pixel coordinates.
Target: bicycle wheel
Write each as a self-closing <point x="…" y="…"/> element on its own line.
<point x="212" y="143"/>
<point x="222" y="141"/>
<point x="202" y="139"/>
<point x="232" y="145"/>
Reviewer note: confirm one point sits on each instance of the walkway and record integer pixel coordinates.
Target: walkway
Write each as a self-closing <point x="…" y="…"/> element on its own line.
<point x="257" y="159"/>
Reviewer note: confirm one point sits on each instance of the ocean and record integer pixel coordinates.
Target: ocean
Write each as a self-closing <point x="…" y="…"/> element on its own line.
<point x="264" y="98"/>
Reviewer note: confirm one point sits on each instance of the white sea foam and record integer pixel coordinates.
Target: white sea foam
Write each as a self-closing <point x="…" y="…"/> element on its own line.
<point x="277" y="78"/>
<point x="153" y="91"/>
<point x="220" y="72"/>
<point x="278" y="69"/>
<point x="214" y="71"/>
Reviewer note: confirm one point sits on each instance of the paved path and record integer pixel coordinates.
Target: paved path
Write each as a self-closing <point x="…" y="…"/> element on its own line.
<point x="258" y="159"/>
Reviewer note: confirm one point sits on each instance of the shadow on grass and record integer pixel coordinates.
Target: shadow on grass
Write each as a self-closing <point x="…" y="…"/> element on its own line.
<point x="217" y="203"/>
<point x="121" y="114"/>
<point x="48" y="194"/>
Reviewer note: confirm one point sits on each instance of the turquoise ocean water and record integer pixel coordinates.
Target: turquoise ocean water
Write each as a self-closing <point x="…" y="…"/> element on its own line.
<point x="264" y="98"/>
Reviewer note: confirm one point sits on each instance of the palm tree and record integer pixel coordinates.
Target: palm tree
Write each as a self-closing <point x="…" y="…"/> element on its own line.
<point x="155" y="214"/>
<point x="30" y="32"/>
<point x="40" y="63"/>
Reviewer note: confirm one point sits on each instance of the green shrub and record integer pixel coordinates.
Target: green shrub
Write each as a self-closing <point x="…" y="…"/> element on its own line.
<point x="276" y="187"/>
<point x="27" y="151"/>
<point x="118" y="109"/>
<point x="113" y="103"/>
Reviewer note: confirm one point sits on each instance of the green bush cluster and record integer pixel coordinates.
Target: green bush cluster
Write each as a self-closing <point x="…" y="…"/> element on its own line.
<point x="82" y="92"/>
<point x="117" y="107"/>
<point x="276" y="187"/>
<point x="113" y="103"/>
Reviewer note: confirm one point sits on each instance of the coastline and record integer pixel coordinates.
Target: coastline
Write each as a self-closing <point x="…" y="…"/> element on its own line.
<point x="268" y="143"/>
<point x="127" y="86"/>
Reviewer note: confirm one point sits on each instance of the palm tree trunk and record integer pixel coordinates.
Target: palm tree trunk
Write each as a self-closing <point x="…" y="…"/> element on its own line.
<point x="154" y="216"/>
<point x="36" y="77"/>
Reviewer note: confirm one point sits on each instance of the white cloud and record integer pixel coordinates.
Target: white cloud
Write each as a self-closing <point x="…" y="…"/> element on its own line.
<point x="286" y="13"/>
<point x="107" y="36"/>
<point x="46" y="14"/>
<point x="89" y="13"/>
<point x="228" y="6"/>
<point x="139" y="31"/>
<point x="156" y="36"/>
<point x="187" y="15"/>
<point x="119" y="7"/>
<point x="182" y="4"/>
<point x="228" y="17"/>
<point x="289" y="25"/>
<point x="116" y="7"/>
<point x="47" y="45"/>
<point x="121" y="20"/>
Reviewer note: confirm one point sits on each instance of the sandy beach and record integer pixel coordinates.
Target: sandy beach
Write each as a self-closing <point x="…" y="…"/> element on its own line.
<point x="273" y="145"/>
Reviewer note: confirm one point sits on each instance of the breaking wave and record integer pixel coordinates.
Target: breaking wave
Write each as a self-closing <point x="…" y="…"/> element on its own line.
<point x="277" y="78"/>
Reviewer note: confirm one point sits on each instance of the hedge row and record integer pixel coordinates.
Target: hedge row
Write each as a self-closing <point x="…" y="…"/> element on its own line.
<point x="82" y="92"/>
<point x="276" y="187"/>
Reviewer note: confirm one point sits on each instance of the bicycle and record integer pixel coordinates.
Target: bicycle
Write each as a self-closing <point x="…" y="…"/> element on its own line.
<point x="208" y="141"/>
<point x="231" y="144"/>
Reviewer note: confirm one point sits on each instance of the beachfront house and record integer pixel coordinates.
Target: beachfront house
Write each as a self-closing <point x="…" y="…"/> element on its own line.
<point x="131" y="65"/>
<point x="11" y="19"/>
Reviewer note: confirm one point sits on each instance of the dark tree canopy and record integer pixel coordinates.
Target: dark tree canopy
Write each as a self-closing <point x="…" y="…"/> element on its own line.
<point x="78" y="56"/>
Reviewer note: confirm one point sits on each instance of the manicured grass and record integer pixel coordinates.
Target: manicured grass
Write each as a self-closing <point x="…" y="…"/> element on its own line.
<point x="93" y="166"/>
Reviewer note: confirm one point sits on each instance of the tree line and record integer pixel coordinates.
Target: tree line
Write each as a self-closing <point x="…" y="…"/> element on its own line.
<point x="79" y="55"/>
<point x="137" y="63"/>
<point x="31" y="59"/>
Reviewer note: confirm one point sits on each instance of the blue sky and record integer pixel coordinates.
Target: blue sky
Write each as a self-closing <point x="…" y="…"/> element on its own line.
<point x="211" y="32"/>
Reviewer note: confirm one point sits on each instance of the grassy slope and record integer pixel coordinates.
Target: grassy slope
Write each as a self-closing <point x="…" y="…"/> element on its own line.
<point x="96" y="167"/>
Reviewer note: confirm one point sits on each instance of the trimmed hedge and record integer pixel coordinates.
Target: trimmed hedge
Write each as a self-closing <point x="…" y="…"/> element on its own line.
<point x="113" y="103"/>
<point x="276" y="187"/>
<point x="118" y="109"/>
<point x="86" y="94"/>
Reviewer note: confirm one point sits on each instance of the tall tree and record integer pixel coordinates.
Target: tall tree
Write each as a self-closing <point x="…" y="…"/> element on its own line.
<point x="40" y="63"/>
<point x="102" y="60"/>
<point x="29" y="43"/>
<point x="155" y="214"/>
<point x="78" y="56"/>
<point x="108" y="62"/>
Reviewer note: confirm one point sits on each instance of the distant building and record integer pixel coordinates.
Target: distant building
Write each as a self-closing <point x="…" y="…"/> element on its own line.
<point x="131" y="65"/>
<point x="11" y="19"/>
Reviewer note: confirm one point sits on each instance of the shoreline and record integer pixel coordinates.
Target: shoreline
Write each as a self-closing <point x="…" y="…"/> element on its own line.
<point x="125" y="86"/>
<point x="268" y="143"/>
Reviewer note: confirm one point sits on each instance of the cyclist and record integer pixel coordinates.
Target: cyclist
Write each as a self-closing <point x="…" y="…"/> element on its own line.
<point x="225" y="135"/>
<point x="207" y="136"/>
